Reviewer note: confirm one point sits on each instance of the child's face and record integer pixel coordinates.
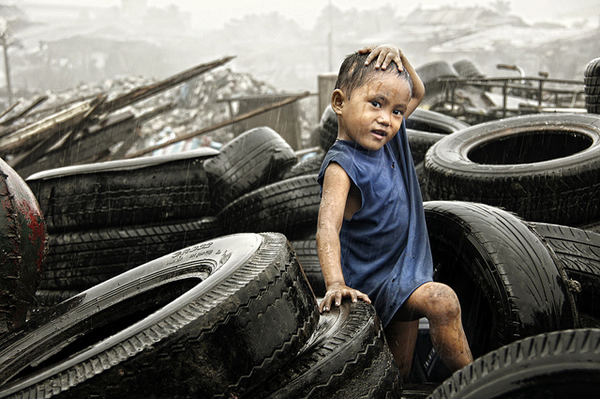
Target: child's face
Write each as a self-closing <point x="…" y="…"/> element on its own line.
<point x="373" y="114"/>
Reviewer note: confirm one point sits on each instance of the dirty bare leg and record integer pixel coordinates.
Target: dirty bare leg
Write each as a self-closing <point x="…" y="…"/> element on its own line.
<point x="402" y="337"/>
<point x="439" y="304"/>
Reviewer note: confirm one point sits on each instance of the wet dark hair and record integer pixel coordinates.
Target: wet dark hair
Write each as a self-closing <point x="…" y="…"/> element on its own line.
<point x="354" y="73"/>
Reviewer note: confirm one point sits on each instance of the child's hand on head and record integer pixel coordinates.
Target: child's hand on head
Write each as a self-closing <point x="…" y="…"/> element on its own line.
<point x="335" y="293"/>
<point x="383" y="54"/>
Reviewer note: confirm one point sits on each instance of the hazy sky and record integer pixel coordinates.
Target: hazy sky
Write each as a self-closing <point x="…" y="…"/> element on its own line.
<point x="214" y="13"/>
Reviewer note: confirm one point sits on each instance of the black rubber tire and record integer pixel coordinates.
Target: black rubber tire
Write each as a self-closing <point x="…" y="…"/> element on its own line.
<point x="434" y="122"/>
<point x="592" y="108"/>
<point x="592" y="69"/>
<point x="592" y="226"/>
<point x="255" y="158"/>
<point x="420" y="169"/>
<point x="578" y="251"/>
<point x="47" y="299"/>
<point x="506" y="280"/>
<point x="592" y="90"/>
<point x="329" y="128"/>
<point x="347" y="357"/>
<point x="212" y="320"/>
<point x="290" y="207"/>
<point x="125" y="192"/>
<point x="592" y="86"/>
<point x="591" y="99"/>
<point x="23" y="244"/>
<point x="591" y="81"/>
<point x="309" y="166"/>
<point x="420" y="142"/>
<point x="306" y="251"/>
<point x="432" y="71"/>
<point x="78" y="260"/>
<point x="544" y="167"/>
<point x="561" y="364"/>
<point x="467" y="69"/>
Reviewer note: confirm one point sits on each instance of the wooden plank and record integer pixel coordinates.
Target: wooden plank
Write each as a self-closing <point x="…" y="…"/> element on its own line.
<point x="141" y="93"/>
<point x="85" y="146"/>
<point x="35" y="103"/>
<point x="28" y="136"/>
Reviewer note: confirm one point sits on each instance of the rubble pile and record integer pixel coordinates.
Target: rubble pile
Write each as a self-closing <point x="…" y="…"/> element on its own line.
<point x="132" y="116"/>
<point x="197" y="102"/>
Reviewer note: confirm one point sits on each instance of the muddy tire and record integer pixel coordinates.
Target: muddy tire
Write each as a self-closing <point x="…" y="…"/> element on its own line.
<point x="290" y="207"/>
<point x="125" y="192"/>
<point x="308" y="166"/>
<point x="171" y="327"/>
<point x="329" y="128"/>
<point x="546" y="168"/>
<point x="506" y="280"/>
<point x="78" y="260"/>
<point x="431" y="73"/>
<point x="255" y="158"/>
<point x="561" y="364"/>
<point x="434" y="122"/>
<point x="420" y="143"/>
<point x="347" y="357"/>
<point x="578" y="252"/>
<point x="467" y="69"/>
<point x="23" y="243"/>
<point x="306" y="251"/>
<point x="592" y="86"/>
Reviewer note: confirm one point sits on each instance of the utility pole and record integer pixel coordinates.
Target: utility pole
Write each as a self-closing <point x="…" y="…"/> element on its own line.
<point x="4" y="43"/>
<point x="330" y="38"/>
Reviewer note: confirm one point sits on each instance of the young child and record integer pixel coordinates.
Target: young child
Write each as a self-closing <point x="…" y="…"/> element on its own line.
<point x="372" y="238"/>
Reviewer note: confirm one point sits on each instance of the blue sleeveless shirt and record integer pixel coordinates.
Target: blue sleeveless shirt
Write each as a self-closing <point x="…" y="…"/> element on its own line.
<point x="385" y="249"/>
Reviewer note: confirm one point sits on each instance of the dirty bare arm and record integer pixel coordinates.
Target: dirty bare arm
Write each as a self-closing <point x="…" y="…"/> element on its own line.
<point x="336" y="186"/>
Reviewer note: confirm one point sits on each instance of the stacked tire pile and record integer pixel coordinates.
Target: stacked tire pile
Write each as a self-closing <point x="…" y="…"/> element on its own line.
<point x="106" y="218"/>
<point x="231" y="316"/>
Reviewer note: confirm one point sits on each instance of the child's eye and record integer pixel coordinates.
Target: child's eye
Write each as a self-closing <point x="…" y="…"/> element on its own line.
<point x="398" y="112"/>
<point x="375" y="104"/>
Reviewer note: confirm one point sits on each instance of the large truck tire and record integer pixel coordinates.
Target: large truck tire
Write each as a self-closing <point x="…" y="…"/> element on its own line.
<point x="82" y="259"/>
<point x="507" y="282"/>
<point x="290" y="207"/>
<point x="215" y="319"/>
<point x="544" y="167"/>
<point x="560" y="364"/>
<point x="255" y="158"/>
<point x="578" y="253"/>
<point x="124" y="192"/>
<point x="347" y="357"/>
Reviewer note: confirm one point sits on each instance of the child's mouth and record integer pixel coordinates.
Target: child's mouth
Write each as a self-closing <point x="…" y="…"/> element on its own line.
<point x="379" y="133"/>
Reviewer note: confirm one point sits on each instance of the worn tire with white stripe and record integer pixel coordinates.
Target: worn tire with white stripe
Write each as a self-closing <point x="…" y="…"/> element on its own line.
<point x="215" y="319"/>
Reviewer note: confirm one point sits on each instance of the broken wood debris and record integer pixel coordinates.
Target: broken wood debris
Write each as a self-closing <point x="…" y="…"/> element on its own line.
<point x="86" y="130"/>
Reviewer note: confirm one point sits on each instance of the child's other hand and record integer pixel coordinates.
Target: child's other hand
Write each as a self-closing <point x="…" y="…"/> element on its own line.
<point x="336" y="292"/>
<point x="384" y="55"/>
